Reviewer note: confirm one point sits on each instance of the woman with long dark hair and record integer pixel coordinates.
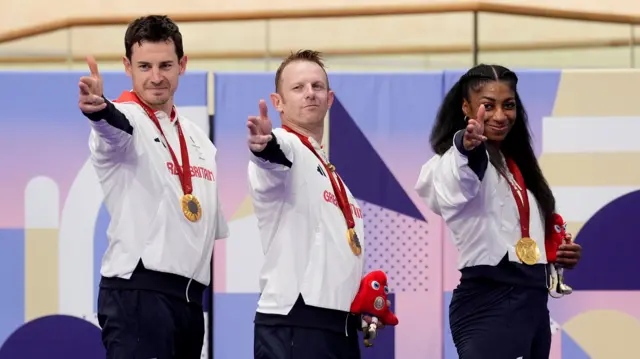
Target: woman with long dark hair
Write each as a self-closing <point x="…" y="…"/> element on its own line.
<point x="485" y="182"/>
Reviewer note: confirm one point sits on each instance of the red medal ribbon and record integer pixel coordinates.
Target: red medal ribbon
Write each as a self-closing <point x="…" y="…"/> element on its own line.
<point x="184" y="172"/>
<point x="522" y="203"/>
<point x="338" y="190"/>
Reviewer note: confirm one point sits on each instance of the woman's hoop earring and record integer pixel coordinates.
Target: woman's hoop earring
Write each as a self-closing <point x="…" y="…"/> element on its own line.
<point x="465" y="119"/>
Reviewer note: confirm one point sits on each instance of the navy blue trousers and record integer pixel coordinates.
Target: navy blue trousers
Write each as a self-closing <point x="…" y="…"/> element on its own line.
<point x="290" y="342"/>
<point x="491" y="320"/>
<point x="143" y="324"/>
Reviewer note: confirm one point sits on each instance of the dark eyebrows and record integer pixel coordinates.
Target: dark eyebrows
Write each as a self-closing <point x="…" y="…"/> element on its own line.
<point x="162" y="63"/>
<point x="508" y="99"/>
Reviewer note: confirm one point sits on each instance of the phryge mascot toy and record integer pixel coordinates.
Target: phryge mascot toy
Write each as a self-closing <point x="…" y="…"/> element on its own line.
<point x="556" y="236"/>
<point x="372" y="301"/>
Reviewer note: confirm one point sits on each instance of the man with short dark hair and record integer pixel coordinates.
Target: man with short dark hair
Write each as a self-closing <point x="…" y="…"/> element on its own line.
<point x="310" y="224"/>
<point x="158" y="173"/>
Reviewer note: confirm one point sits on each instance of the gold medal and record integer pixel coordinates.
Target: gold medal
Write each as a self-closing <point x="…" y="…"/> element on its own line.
<point x="527" y="251"/>
<point x="354" y="242"/>
<point x="191" y="207"/>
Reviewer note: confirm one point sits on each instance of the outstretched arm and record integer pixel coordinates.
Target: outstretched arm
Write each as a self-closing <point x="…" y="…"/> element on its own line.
<point x="111" y="130"/>
<point x="269" y="168"/>
<point x="271" y="155"/>
<point x="449" y="181"/>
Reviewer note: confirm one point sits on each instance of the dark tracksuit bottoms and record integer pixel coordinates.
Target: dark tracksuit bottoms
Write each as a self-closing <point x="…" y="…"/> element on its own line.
<point x="149" y="317"/>
<point x="307" y="333"/>
<point x="501" y="312"/>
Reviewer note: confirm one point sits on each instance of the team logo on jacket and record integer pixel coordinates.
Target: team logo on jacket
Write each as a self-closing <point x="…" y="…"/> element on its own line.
<point x="196" y="172"/>
<point x="331" y="198"/>
<point x="321" y="171"/>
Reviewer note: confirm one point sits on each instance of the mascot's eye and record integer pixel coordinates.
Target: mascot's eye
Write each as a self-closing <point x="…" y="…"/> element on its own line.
<point x="557" y="228"/>
<point x="375" y="285"/>
<point x="386" y="290"/>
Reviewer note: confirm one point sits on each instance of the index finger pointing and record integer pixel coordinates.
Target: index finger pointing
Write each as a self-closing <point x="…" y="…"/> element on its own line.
<point x="263" y="109"/>
<point x="480" y="114"/>
<point x="252" y="124"/>
<point x="93" y="66"/>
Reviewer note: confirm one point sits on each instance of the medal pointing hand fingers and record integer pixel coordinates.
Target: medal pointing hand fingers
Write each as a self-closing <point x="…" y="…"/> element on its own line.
<point x="259" y="129"/>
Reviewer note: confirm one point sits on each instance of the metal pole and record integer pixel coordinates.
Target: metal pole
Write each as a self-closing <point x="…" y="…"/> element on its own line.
<point x="267" y="44"/>
<point x="632" y="45"/>
<point x="70" y="48"/>
<point x="474" y="44"/>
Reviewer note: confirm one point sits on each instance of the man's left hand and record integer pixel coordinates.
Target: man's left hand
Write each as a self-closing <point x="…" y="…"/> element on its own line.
<point x="569" y="255"/>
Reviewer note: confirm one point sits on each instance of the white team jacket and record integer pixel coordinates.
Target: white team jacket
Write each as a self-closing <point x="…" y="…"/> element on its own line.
<point x="480" y="212"/>
<point x="303" y="232"/>
<point x="142" y="194"/>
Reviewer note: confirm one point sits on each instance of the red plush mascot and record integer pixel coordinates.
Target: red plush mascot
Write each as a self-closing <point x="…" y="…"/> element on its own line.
<point x="556" y="236"/>
<point x="372" y="301"/>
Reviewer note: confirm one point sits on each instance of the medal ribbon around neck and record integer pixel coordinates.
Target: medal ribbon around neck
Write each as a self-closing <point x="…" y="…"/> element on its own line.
<point x="522" y="200"/>
<point x="339" y="190"/>
<point x="190" y="205"/>
<point x="526" y="249"/>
